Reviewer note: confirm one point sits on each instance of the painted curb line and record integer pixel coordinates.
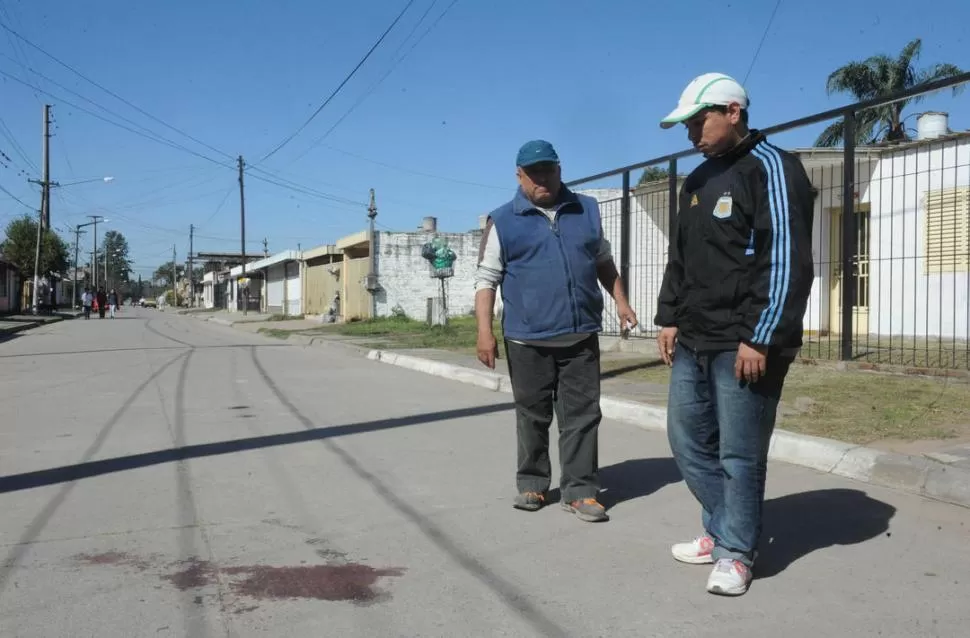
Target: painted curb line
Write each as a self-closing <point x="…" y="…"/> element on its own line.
<point x="913" y="474"/>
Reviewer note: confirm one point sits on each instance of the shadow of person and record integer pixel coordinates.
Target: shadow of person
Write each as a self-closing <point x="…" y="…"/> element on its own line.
<point x="796" y="525"/>
<point x="636" y="478"/>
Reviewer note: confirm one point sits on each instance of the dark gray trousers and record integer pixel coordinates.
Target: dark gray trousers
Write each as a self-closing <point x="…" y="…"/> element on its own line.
<point x="567" y="380"/>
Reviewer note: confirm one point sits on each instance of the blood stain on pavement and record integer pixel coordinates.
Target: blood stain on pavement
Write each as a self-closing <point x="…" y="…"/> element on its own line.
<point x="352" y="582"/>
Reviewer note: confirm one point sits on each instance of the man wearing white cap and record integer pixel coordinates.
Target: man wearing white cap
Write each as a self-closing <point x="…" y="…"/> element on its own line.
<point x="730" y="309"/>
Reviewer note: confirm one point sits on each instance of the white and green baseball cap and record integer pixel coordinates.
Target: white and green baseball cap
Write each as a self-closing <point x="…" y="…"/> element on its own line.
<point x="710" y="89"/>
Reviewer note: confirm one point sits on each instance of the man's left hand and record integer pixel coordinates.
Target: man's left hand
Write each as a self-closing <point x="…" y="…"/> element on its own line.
<point x="628" y="318"/>
<point x="751" y="363"/>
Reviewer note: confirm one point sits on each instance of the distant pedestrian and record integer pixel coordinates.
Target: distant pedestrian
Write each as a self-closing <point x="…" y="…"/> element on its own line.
<point x="112" y="302"/>
<point x="102" y="300"/>
<point x="547" y="251"/>
<point x="731" y="308"/>
<point x="87" y="300"/>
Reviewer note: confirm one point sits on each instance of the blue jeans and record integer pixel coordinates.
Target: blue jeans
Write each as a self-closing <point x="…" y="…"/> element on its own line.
<point x="719" y="429"/>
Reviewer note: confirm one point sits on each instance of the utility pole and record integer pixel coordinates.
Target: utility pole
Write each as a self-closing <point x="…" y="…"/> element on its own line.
<point x="265" y="247"/>
<point x="191" y="273"/>
<point x="372" y="274"/>
<point x="46" y="190"/>
<point x="43" y="220"/>
<point x="175" y="276"/>
<point x="106" y="265"/>
<point x="242" y="225"/>
<point x="94" y="257"/>
<point x="77" y="240"/>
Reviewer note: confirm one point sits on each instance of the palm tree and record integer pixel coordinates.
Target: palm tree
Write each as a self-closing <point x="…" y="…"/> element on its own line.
<point x="880" y="76"/>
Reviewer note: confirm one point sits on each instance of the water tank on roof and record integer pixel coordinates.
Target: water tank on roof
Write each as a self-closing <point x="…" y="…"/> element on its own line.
<point x="932" y="124"/>
<point x="429" y="224"/>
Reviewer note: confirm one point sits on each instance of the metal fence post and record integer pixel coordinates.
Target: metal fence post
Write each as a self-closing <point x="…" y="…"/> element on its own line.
<point x="848" y="233"/>
<point x="672" y="197"/>
<point x="625" y="236"/>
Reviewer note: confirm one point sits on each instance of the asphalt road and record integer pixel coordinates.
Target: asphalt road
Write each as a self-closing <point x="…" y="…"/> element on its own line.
<point x="160" y="476"/>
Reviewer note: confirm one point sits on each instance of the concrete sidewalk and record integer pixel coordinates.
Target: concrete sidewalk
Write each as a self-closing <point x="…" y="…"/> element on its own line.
<point x="12" y="324"/>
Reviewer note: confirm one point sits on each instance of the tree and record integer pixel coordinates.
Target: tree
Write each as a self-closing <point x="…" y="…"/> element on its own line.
<point x="163" y="274"/>
<point x="653" y="174"/>
<point x="119" y="265"/>
<point x="881" y="76"/>
<point x="20" y="248"/>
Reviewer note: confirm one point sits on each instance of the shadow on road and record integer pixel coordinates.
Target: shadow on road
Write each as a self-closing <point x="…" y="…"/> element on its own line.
<point x="609" y="374"/>
<point x="636" y="478"/>
<point x="798" y="524"/>
<point x="67" y="473"/>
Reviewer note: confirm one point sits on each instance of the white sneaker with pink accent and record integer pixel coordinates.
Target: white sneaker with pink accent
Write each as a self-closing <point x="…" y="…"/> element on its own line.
<point x="729" y="578"/>
<point x="696" y="552"/>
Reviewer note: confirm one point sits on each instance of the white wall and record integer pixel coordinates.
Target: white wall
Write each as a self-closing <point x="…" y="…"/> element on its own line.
<point x="904" y="300"/>
<point x="405" y="276"/>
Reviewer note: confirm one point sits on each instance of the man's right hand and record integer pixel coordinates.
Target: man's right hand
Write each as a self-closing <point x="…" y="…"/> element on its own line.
<point x="487" y="349"/>
<point x="666" y="341"/>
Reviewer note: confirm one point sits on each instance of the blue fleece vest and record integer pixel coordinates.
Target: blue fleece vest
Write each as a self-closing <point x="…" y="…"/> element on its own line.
<point x="550" y="286"/>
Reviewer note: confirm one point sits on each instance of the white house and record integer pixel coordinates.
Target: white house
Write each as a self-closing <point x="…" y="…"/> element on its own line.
<point x="275" y="284"/>
<point x="911" y="243"/>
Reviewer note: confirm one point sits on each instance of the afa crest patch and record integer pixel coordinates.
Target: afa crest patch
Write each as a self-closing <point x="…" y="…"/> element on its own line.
<point x="723" y="207"/>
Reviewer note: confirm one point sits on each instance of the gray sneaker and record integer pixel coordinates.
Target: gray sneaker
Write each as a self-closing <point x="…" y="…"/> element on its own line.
<point x="587" y="509"/>
<point x="529" y="501"/>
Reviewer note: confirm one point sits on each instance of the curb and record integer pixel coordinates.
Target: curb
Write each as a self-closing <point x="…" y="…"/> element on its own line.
<point x="913" y="474"/>
<point x="27" y="325"/>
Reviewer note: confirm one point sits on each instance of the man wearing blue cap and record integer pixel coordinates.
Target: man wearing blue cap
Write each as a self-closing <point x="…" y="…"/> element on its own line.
<point x="547" y="251"/>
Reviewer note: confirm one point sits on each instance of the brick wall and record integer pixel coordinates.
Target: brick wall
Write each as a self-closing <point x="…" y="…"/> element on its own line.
<point x="405" y="276"/>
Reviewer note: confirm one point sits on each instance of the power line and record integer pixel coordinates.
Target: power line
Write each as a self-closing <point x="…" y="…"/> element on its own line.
<point x="390" y="70"/>
<point x="17" y="199"/>
<point x="157" y="139"/>
<point x="299" y="188"/>
<point x="289" y="138"/>
<point x="110" y="92"/>
<point x="219" y="207"/>
<point x="764" y="36"/>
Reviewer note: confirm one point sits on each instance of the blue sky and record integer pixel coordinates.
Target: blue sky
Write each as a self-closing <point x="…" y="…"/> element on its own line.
<point x="437" y="136"/>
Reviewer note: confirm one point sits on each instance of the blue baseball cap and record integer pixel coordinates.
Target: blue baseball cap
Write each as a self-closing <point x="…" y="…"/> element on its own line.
<point x="535" y="152"/>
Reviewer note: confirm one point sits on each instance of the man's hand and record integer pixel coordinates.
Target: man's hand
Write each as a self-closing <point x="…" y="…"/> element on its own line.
<point x="666" y="341"/>
<point x="487" y="349"/>
<point x="751" y="363"/>
<point x="628" y="318"/>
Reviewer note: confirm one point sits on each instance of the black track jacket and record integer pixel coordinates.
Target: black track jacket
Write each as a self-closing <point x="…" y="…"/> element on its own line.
<point x="740" y="265"/>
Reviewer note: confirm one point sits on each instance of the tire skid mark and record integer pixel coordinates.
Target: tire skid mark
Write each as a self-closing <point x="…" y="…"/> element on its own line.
<point x="40" y="521"/>
<point x="188" y="510"/>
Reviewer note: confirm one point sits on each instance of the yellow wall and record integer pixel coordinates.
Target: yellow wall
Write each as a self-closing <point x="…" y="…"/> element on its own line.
<point x="321" y="285"/>
<point x="355" y="300"/>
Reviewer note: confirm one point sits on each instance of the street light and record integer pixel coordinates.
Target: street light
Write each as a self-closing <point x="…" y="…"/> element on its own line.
<point x="85" y="181"/>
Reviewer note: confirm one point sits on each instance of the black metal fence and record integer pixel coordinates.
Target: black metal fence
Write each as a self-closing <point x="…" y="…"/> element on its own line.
<point x="891" y="239"/>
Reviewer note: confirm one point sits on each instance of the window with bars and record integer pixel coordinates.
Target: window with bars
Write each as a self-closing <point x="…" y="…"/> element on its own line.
<point x="946" y="232"/>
